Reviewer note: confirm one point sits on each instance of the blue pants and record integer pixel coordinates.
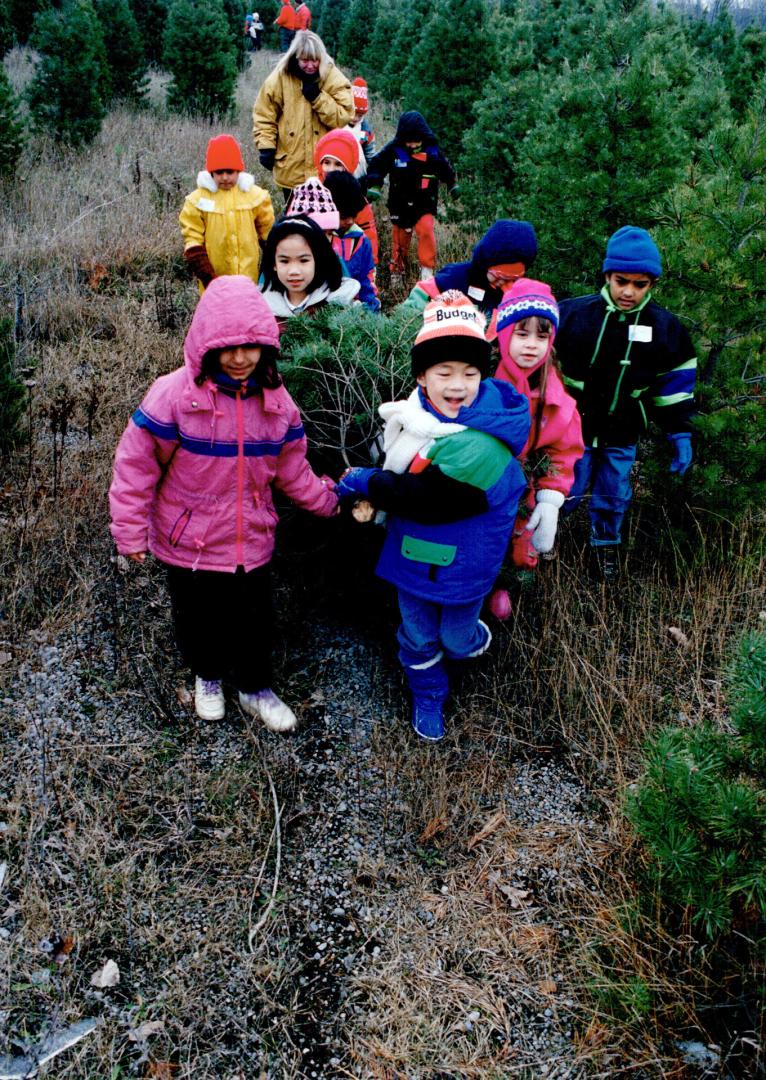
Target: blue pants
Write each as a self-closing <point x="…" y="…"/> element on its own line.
<point x="430" y="632"/>
<point x="606" y="471"/>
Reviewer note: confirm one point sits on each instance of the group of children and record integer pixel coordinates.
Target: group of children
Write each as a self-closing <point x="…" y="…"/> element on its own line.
<point x="499" y="436"/>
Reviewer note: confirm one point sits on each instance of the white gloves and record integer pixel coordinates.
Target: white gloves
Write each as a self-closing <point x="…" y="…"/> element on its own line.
<point x="545" y="516"/>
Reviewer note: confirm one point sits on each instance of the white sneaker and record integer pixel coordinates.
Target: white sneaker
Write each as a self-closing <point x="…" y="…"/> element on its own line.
<point x="266" y="706"/>
<point x="208" y="699"/>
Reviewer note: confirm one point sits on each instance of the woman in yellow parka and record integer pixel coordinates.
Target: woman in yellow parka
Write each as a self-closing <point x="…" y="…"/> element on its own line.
<point x="224" y="221"/>
<point x="303" y="98"/>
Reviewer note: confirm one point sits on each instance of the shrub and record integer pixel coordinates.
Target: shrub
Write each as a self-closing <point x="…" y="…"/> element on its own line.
<point x="70" y="85"/>
<point x="200" y="54"/>
<point x="700" y="806"/>
<point x="124" y="50"/>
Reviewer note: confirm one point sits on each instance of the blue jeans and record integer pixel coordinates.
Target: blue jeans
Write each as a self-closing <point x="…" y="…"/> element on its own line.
<point x="606" y="471"/>
<point x="431" y="631"/>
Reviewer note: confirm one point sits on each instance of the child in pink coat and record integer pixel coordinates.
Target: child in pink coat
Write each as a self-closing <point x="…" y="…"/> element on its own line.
<point x="527" y="320"/>
<point x="193" y="479"/>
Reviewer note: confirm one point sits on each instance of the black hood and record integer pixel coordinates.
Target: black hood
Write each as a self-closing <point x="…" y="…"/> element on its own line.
<point x="412" y="126"/>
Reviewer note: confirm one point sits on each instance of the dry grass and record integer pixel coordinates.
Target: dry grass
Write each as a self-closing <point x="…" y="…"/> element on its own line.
<point x="132" y="833"/>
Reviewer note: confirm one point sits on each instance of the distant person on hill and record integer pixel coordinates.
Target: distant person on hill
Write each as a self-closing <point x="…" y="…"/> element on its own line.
<point x="303" y="17"/>
<point x="304" y="97"/>
<point x="287" y="23"/>
<point x="450" y="485"/>
<point x="626" y="361"/>
<point x="338" y="151"/>
<point x="527" y="319"/>
<point x="301" y="272"/>
<point x="349" y="242"/>
<point x="226" y="218"/>
<point x="361" y="125"/>
<point x="193" y="479"/>
<point x="415" y="166"/>
<point x="502" y="256"/>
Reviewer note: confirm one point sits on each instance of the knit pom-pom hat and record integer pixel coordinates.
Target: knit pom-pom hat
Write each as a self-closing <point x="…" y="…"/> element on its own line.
<point x="314" y="201"/>
<point x="632" y="251"/>
<point x="223" y="152"/>
<point x="506" y="242"/>
<point x="360" y="95"/>
<point x="340" y="144"/>
<point x="453" y="329"/>
<point x="524" y="300"/>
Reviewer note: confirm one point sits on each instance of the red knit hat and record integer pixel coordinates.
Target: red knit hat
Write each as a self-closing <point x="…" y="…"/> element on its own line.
<point x="453" y="329"/>
<point x="359" y="94"/>
<point x="340" y="144"/>
<point x="223" y="152"/>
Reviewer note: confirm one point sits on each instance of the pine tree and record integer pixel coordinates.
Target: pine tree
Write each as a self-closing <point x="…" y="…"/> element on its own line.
<point x="331" y="23"/>
<point x="442" y="78"/>
<point x="410" y="23"/>
<point x="377" y="55"/>
<point x="201" y="56"/>
<point x="6" y="27"/>
<point x="11" y="137"/>
<point x="713" y="228"/>
<point x="124" y="50"/>
<point x="22" y="13"/>
<point x="357" y="33"/>
<point x="151" y="16"/>
<point x="612" y="135"/>
<point x="66" y="95"/>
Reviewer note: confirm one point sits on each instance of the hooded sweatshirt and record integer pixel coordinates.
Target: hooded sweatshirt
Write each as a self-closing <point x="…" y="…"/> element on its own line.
<point x="451" y="554"/>
<point x="414" y="176"/>
<point x="195" y="467"/>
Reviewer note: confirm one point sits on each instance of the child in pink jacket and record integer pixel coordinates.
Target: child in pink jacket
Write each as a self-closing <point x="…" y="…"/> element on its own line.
<point x="527" y="320"/>
<point x="193" y="479"/>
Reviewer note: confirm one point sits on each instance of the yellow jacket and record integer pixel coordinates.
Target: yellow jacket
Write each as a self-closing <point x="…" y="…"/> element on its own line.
<point x="285" y="121"/>
<point x="228" y="224"/>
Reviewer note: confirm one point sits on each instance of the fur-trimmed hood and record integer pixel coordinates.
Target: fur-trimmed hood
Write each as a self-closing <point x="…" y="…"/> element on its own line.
<point x="245" y="181"/>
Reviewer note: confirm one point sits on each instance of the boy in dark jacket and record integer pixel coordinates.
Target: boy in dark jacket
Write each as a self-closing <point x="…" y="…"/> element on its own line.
<point x="415" y="166"/>
<point x="450" y="486"/>
<point x="626" y="360"/>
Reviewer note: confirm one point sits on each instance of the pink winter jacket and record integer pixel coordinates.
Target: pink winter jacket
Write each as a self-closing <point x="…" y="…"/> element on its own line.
<point x="195" y="466"/>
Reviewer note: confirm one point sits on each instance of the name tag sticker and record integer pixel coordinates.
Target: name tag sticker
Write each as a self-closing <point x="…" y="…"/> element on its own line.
<point x="475" y="293"/>
<point x="639" y="333"/>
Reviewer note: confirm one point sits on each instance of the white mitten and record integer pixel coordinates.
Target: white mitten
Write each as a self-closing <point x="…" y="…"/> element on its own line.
<point x="545" y="516"/>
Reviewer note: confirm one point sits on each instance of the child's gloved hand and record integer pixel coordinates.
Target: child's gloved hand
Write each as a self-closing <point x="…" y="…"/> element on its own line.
<point x="682" y="452"/>
<point x="373" y="194"/>
<point x="355" y="483"/>
<point x="544" y="520"/>
<point x="267" y="158"/>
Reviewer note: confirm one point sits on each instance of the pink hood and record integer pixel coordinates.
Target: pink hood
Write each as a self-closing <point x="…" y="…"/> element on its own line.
<point x="231" y="311"/>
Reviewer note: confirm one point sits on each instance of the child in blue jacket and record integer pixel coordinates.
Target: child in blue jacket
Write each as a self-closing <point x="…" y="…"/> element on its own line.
<point x="450" y="486"/>
<point x="349" y="241"/>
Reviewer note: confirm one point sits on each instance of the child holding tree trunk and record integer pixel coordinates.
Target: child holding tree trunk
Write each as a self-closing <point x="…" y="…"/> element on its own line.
<point x="527" y="319"/>
<point x="225" y="220"/>
<point x="193" y="480"/>
<point x="415" y="166"/>
<point x="450" y="486"/>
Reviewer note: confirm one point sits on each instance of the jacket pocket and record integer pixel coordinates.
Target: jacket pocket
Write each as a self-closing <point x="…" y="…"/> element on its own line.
<point x="427" y="551"/>
<point x="179" y="527"/>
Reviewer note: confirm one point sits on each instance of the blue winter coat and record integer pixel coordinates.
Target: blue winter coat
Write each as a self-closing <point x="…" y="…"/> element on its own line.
<point x="457" y="561"/>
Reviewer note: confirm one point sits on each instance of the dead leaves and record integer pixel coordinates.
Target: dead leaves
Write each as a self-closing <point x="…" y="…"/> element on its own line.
<point x="676" y="634"/>
<point x="515" y="897"/>
<point x="434" y="827"/>
<point x="490" y="826"/>
<point x="143" y="1031"/>
<point x="108" y="975"/>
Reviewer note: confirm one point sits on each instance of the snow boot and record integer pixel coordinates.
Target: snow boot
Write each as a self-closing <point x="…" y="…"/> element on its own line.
<point x="208" y="699"/>
<point x="428" y="716"/>
<point x="607" y="558"/>
<point x="268" y="708"/>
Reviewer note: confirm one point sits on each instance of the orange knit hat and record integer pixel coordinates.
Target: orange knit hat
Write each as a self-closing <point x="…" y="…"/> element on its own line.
<point x="223" y="152"/>
<point x="359" y="94"/>
<point x="339" y="144"/>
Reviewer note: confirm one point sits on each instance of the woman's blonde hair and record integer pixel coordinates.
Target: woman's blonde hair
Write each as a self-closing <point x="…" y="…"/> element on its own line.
<point x="306" y="45"/>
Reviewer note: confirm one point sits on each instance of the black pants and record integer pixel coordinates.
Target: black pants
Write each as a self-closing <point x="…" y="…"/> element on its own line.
<point x="224" y="624"/>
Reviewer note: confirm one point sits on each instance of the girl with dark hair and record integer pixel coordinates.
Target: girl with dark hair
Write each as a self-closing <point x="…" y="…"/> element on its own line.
<point x="301" y="272"/>
<point x="193" y="479"/>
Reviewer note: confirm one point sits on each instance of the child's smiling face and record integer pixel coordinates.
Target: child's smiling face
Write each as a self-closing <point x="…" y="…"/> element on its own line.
<point x="530" y="342"/>
<point x="295" y="267"/>
<point x="451" y="385"/>
<point x="240" y="361"/>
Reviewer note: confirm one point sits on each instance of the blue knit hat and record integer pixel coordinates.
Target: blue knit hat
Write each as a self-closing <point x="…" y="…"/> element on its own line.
<point x="632" y="251"/>
<point x="506" y="241"/>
